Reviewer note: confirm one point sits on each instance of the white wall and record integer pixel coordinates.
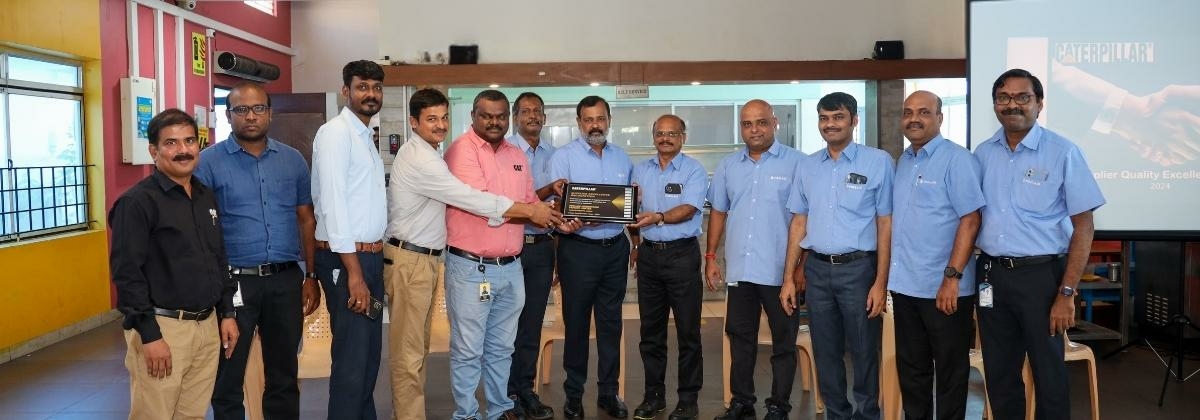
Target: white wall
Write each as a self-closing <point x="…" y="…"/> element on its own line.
<point x="329" y="33"/>
<point x="523" y="31"/>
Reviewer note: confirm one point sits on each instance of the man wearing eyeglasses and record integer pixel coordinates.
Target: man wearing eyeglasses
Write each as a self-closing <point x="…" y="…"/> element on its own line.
<point x="593" y="263"/>
<point x="266" y="214"/>
<point x="842" y="222"/>
<point x="1035" y="236"/>
<point x="350" y="204"/>
<point x="672" y="187"/>
<point x="749" y="193"/>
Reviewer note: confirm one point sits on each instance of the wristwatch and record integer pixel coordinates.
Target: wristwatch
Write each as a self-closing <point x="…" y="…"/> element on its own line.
<point x="230" y="314"/>
<point x="1066" y="291"/>
<point x="662" y="218"/>
<point x="952" y="272"/>
<point x="311" y="275"/>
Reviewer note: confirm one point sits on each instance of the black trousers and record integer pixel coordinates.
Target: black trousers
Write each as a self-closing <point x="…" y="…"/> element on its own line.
<point x="930" y="343"/>
<point x="275" y="304"/>
<point x="745" y="304"/>
<point x="537" y="262"/>
<point x="1018" y="324"/>
<point x="669" y="282"/>
<point x="593" y="279"/>
<point x="357" y="340"/>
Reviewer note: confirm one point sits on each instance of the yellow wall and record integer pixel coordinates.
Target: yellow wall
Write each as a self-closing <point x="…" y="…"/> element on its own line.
<point x="49" y="284"/>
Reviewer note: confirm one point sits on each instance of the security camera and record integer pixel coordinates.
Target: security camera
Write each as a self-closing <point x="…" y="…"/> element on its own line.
<point x="186" y="4"/>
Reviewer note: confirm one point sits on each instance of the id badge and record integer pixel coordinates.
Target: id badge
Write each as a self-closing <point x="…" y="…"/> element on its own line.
<point x="985" y="295"/>
<point x="335" y="273"/>
<point x="485" y="291"/>
<point x="237" y="297"/>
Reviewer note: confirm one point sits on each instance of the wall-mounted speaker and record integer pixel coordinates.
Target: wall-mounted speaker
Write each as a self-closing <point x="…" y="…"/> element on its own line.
<point x="888" y="50"/>
<point x="464" y="54"/>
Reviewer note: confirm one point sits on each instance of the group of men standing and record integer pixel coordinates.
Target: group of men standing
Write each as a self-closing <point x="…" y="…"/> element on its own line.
<point x="223" y="237"/>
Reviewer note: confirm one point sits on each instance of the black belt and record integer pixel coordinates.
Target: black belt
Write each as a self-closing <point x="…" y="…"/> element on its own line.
<point x="602" y="242"/>
<point x="409" y="246"/>
<point x="1014" y="262"/>
<point x="183" y="315"/>
<point x="262" y="270"/>
<point x="664" y="245"/>
<point x="531" y="239"/>
<point x="482" y="260"/>
<point x="840" y="258"/>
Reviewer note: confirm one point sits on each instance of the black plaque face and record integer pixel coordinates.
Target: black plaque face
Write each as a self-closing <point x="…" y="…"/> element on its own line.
<point x="600" y="202"/>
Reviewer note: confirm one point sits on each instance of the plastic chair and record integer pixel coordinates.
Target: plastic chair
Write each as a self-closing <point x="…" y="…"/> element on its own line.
<point x="553" y="329"/>
<point x="1074" y="352"/>
<point x="314" y="359"/>
<point x="890" y="404"/>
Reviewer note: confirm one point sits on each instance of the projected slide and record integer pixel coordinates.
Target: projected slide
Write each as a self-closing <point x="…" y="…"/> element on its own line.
<point x="1122" y="81"/>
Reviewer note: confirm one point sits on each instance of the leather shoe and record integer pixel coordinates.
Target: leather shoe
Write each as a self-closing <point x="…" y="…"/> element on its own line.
<point x="512" y="414"/>
<point x="738" y="410"/>
<point x="650" y="407"/>
<point x="685" y="411"/>
<point x="533" y="407"/>
<point x="613" y="405"/>
<point x="573" y="410"/>
<point x="775" y="412"/>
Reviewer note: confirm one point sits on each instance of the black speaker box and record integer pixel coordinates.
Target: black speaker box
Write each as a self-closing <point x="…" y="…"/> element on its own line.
<point x="464" y="54"/>
<point x="889" y="50"/>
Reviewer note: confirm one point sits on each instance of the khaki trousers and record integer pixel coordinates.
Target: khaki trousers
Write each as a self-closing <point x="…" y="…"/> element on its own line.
<point x="409" y="279"/>
<point x="185" y="393"/>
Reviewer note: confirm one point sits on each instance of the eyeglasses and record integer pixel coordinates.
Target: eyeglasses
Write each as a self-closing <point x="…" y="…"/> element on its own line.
<point x="242" y="110"/>
<point x="1004" y="99"/>
<point x="671" y="134"/>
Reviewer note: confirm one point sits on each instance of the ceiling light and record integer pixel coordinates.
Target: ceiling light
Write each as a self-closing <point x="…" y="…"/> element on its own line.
<point x="695" y="83"/>
<point x="594" y="84"/>
<point x="493" y="86"/>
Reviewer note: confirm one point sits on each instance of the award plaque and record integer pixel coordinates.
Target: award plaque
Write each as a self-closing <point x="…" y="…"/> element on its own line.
<point x="600" y="203"/>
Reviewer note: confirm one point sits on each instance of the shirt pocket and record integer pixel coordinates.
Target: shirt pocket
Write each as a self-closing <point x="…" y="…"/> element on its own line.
<point x="855" y="199"/>
<point x="1036" y="196"/>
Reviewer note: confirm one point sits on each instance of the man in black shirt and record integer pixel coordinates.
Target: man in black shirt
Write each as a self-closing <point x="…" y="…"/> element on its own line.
<point x="168" y="263"/>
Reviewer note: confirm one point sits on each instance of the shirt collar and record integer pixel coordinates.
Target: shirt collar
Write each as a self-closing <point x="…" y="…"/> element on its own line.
<point x="166" y="183"/>
<point x="520" y="142"/>
<point x="1032" y="140"/>
<point x="479" y="143"/>
<point x="355" y="124"/>
<point x="773" y="150"/>
<point x="673" y="164"/>
<point x="588" y="148"/>
<point x="231" y="145"/>
<point x="929" y="147"/>
<point x="849" y="153"/>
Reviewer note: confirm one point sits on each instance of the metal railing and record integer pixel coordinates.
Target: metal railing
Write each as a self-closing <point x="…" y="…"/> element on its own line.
<point x="42" y="200"/>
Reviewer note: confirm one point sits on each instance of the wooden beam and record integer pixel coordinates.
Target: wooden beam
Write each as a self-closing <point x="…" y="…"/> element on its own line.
<point x="679" y="72"/>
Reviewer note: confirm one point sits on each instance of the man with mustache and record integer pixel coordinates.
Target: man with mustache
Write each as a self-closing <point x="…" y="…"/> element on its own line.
<point x="420" y="187"/>
<point x="750" y="188"/>
<point x="263" y="188"/>
<point x="168" y="264"/>
<point x="936" y="201"/>
<point x="672" y="186"/>
<point x="1035" y="236"/>
<point x="348" y="197"/>
<point x="537" y="256"/>
<point x="842" y="221"/>
<point x="485" y="286"/>
<point x="593" y="263"/>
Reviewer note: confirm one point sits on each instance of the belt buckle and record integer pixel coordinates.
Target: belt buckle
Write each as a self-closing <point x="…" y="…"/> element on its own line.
<point x="833" y="259"/>
<point x="1009" y="263"/>
<point x="529" y="239"/>
<point x="264" y="270"/>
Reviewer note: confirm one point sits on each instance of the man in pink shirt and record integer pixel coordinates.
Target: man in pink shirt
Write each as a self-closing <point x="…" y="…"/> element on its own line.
<point x="485" y="289"/>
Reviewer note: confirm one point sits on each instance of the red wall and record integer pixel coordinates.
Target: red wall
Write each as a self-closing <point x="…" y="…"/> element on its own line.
<point x="115" y="50"/>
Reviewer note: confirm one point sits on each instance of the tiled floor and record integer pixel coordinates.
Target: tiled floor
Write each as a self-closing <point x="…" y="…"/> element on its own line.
<point x="84" y="378"/>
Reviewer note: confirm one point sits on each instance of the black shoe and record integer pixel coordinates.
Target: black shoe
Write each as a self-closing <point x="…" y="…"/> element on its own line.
<point x="650" y="407"/>
<point x="685" y="411"/>
<point x="533" y="407"/>
<point x="512" y="414"/>
<point x="738" y="410"/>
<point x="573" y="410"/>
<point x="613" y="405"/>
<point x="775" y="412"/>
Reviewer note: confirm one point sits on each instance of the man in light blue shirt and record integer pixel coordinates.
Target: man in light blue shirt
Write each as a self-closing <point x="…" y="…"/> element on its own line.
<point x="593" y="263"/>
<point x="1035" y="237"/>
<point x="842" y="210"/>
<point x="351" y="208"/>
<point x="537" y="257"/>
<point x="266" y="213"/>
<point x="672" y="186"/>
<point x="936" y="200"/>
<point x="749" y="194"/>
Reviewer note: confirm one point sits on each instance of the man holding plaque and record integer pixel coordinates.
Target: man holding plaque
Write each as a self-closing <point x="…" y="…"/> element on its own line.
<point x="593" y="262"/>
<point x="673" y="186"/>
<point x="749" y="193"/>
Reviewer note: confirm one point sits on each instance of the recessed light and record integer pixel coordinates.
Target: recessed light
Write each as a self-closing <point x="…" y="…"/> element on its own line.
<point x="541" y="73"/>
<point x="594" y="84"/>
<point x="493" y="86"/>
<point x="695" y="83"/>
<point x="795" y="82"/>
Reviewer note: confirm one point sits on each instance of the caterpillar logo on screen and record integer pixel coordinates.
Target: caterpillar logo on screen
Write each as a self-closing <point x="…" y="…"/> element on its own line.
<point x="1104" y="52"/>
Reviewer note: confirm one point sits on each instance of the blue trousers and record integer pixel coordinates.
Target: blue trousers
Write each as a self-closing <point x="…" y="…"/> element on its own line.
<point x="837" y="301"/>
<point x="357" y="340"/>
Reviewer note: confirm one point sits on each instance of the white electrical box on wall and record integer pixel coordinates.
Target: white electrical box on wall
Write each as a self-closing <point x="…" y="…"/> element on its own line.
<point x="138" y="106"/>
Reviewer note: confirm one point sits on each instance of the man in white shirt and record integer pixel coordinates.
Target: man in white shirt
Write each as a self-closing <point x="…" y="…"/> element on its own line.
<point x="349" y="199"/>
<point x="420" y="188"/>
